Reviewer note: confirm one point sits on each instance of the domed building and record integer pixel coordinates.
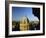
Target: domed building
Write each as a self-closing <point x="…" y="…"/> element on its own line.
<point x="24" y="23"/>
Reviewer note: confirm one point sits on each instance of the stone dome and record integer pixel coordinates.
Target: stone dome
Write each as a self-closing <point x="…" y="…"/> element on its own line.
<point x="24" y="19"/>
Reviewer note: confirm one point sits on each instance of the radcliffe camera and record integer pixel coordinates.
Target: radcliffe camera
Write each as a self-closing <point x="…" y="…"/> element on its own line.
<point x="25" y="18"/>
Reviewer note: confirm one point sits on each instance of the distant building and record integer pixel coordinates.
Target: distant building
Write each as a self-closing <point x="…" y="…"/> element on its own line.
<point x="24" y="24"/>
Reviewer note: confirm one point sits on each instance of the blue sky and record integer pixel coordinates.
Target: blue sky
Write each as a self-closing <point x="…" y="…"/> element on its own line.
<point x="18" y="12"/>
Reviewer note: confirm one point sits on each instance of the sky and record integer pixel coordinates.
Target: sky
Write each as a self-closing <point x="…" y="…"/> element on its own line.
<point x="19" y="12"/>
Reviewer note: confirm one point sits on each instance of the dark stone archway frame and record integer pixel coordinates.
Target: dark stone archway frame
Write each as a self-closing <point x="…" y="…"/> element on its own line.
<point x="36" y="12"/>
<point x="7" y="18"/>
